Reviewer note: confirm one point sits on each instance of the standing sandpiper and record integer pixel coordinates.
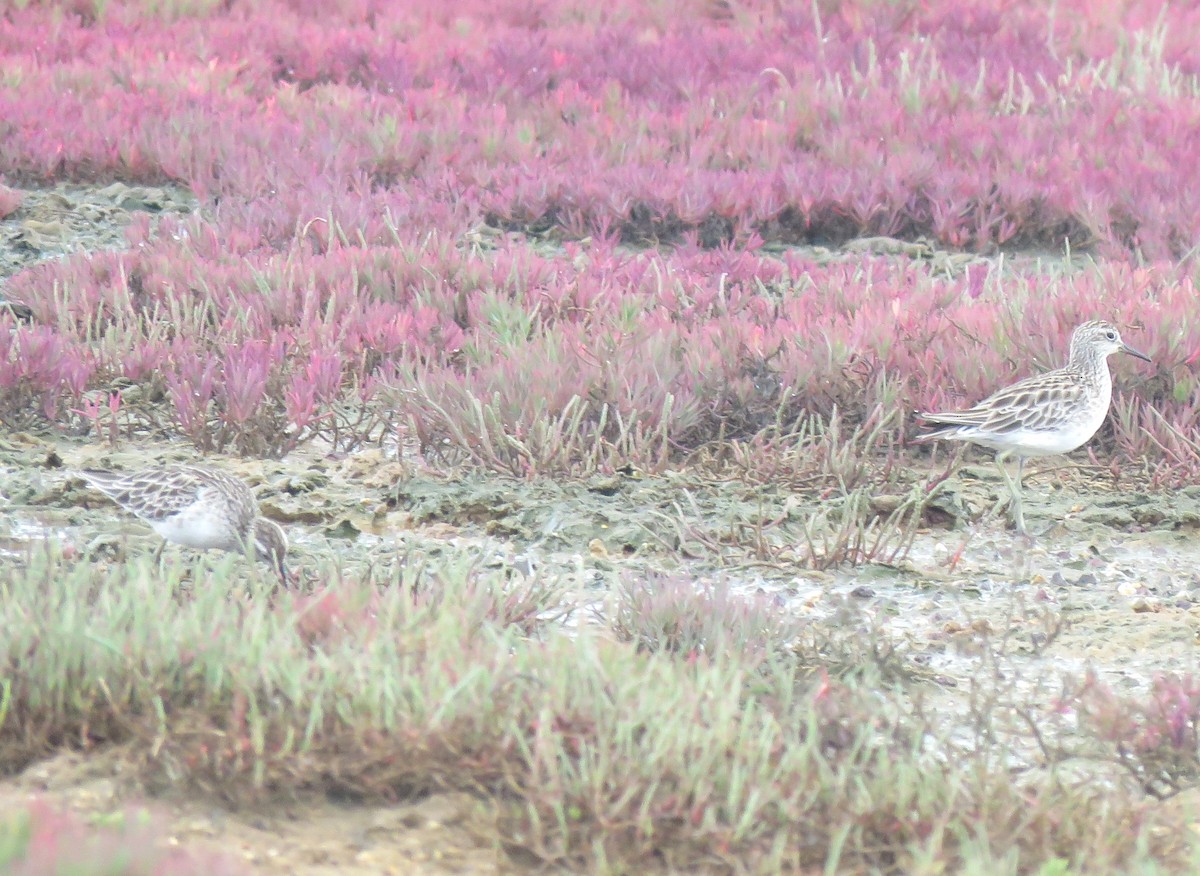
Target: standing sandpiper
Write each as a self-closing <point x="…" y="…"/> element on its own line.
<point x="1051" y="413"/>
<point x="196" y="507"/>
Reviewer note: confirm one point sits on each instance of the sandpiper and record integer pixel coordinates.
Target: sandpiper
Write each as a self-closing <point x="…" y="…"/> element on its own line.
<point x="1044" y="415"/>
<point x="198" y="507"/>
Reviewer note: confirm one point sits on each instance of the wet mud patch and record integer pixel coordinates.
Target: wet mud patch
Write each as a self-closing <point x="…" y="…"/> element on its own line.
<point x="368" y="502"/>
<point x="616" y="514"/>
<point x="77" y="217"/>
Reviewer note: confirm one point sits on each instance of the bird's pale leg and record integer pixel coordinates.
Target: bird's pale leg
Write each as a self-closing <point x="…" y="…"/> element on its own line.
<point x="1018" y="509"/>
<point x="1014" y="488"/>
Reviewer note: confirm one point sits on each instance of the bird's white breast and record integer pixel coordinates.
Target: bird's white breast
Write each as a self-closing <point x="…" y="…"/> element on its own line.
<point x="199" y="526"/>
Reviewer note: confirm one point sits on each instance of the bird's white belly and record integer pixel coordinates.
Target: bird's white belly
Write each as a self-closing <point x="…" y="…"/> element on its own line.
<point x="1031" y="442"/>
<point x="197" y="528"/>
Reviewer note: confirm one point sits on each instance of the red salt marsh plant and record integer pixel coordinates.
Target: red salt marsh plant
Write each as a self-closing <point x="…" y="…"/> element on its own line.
<point x="347" y="607"/>
<point x="357" y="183"/>
<point x="324" y="616"/>
<point x="529" y="366"/>
<point x="674" y="614"/>
<point x="10" y="201"/>
<point x="807" y="124"/>
<point x="1154" y="736"/>
<point x="38" y="839"/>
<point x="38" y="369"/>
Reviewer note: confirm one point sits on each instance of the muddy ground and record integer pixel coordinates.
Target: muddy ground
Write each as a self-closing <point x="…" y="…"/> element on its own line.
<point x="77" y="217"/>
<point x="1111" y="581"/>
<point x="1112" y="575"/>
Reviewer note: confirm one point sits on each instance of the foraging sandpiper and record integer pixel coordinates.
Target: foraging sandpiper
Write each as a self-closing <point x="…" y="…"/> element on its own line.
<point x="1044" y="415"/>
<point x="197" y="507"/>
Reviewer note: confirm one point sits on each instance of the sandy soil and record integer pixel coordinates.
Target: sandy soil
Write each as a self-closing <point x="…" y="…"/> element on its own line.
<point x="435" y="836"/>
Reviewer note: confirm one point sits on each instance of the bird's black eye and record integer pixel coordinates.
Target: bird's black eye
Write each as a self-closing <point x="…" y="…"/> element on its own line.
<point x="1111" y="335"/>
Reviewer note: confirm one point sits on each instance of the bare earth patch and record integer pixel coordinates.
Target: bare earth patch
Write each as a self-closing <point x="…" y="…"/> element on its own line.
<point x="433" y="836"/>
<point x="79" y="217"/>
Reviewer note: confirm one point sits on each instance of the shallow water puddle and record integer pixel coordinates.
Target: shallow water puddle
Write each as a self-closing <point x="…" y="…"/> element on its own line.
<point x="1126" y="605"/>
<point x="22" y="530"/>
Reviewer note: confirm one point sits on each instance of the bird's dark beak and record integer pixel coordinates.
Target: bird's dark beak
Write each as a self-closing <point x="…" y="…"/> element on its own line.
<point x="1125" y="348"/>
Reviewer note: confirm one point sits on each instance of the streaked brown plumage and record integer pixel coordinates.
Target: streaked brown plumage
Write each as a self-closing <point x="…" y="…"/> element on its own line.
<point x="198" y="507"/>
<point x="1047" y="414"/>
